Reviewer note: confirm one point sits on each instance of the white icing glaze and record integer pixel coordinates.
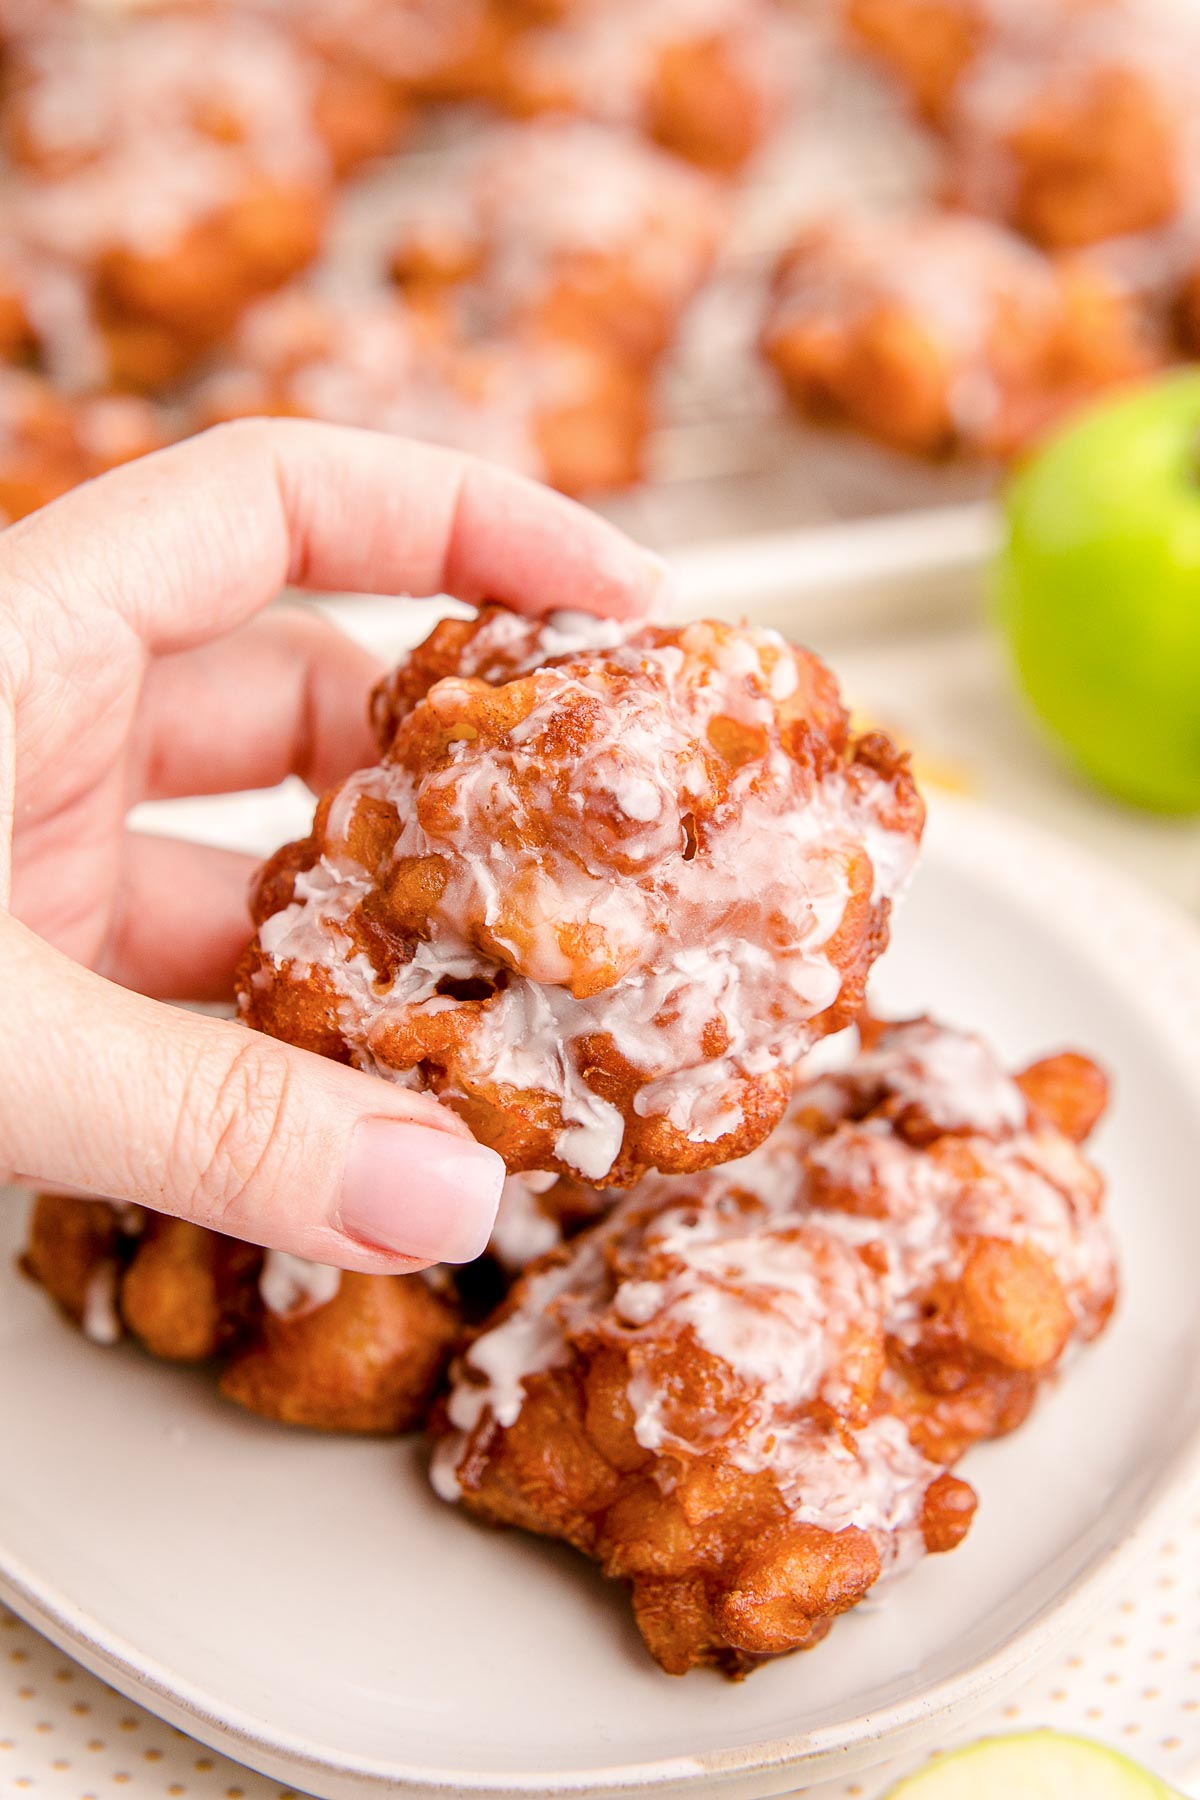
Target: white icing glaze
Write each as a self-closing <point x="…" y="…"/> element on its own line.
<point x="526" y="1342"/>
<point x="290" y="1286"/>
<point x="566" y="632"/>
<point x="953" y="1077"/>
<point x="101" y="1319"/>
<point x="776" y="1307"/>
<point x="522" y="1231"/>
<point x="443" y="1468"/>
<point x="876" y="1482"/>
<point x="779" y="1304"/>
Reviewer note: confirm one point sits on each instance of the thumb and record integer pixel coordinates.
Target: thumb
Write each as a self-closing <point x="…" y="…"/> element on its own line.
<point x="119" y="1095"/>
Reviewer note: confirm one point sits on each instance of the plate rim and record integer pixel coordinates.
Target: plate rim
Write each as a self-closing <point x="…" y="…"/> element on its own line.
<point x="1021" y="859"/>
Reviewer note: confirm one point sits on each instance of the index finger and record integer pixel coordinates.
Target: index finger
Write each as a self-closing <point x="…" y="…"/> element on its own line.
<point x="191" y="541"/>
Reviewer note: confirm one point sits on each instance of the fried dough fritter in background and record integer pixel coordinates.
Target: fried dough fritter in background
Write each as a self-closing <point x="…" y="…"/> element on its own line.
<point x="170" y="165"/>
<point x="1071" y="127"/>
<point x="486" y="223"/>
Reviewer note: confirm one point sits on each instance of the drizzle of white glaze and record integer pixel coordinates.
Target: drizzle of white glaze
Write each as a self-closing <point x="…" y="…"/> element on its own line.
<point x="527" y="1341"/>
<point x="101" y="1319"/>
<point x="955" y="1079"/>
<point x="777" y="1307"/>
<point x="877" y="1482"/>
<point x="522" y="1231"/>
<point x="290" y="1286"/>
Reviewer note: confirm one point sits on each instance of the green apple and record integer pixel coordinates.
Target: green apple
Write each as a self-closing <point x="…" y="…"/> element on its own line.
<point x="1098" y="591"/>
<point x="1035" y="1765"/>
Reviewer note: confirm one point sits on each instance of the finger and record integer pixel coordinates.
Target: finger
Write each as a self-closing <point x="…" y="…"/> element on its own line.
<point x="117" y="1095"/>
<point x="181" y="919"/>
<point x="190" y="542"/>
<point x="284" y="695"/>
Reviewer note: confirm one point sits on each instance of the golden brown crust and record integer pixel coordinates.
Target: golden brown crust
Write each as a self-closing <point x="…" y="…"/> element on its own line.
<point x="69" y="1238"/>
<point x="367" y="1361"/>
<point x="187" y="1294"/>
<point x="710" y="106"/>
<point x="1069" y="1092"/>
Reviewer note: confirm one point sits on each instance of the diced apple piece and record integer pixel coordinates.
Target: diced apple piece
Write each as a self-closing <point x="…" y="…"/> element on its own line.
<point x="1035" y="1765"/>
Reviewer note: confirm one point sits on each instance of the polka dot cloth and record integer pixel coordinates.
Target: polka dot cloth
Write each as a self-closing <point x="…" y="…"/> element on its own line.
<point x="1132" y="1681"/>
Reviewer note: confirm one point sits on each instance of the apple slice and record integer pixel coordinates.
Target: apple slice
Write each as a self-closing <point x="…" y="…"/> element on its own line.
<point x="1035" y="1765"/>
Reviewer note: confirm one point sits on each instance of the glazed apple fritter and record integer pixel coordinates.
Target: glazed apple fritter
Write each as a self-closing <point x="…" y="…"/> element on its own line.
<point x="942" y="333"/>
<point x="741" y="1392"/>
<point x="565" y="229"/>
<point x="607" y="885"/>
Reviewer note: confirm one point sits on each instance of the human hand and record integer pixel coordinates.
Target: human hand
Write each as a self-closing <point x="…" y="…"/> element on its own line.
<point x="132" y="667"/>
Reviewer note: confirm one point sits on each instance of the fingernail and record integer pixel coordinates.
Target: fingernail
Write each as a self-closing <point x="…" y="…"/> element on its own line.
<point x="419" y="1192"/>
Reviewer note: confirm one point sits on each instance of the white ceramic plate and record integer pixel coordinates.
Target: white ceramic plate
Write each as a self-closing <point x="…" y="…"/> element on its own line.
<point x="305" y="1604"/>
